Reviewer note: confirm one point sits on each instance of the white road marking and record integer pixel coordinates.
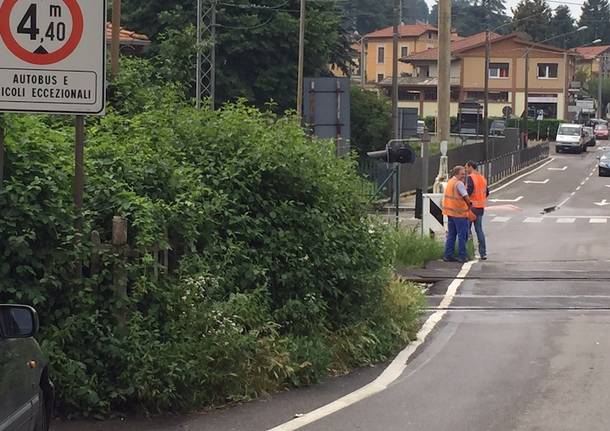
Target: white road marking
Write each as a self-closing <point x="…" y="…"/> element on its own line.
<point x="507" y="200"/>
<point x="500" y="219"/>
<point x="566" y="220"/>
<point x="607" y="185"/>
<point x="577" y="188"/>
<point x="582" y="184"/>
<point x="392" y="372"/>
<point x="565" y="201"/>
<point x="558" y="169"/>
<point x="522" y="176"/>
<point x="603" y="203"/>
<point x="536" y="182"/>
<point x="598" y="220"/>
<point x="577" y="217"/>
<point x="533" y="220"/>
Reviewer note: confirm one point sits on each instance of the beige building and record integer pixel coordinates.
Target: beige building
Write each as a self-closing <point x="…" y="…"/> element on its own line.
<point x="378" y="45"/>
<point x="548" y="80"/>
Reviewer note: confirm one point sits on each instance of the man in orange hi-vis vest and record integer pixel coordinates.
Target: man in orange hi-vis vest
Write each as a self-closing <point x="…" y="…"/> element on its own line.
<point x="478" y="191"/>
<point x="456" y="206"/>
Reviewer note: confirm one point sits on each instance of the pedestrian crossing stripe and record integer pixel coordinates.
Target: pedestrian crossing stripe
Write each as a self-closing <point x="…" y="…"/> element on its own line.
<point x="560" y="220"/>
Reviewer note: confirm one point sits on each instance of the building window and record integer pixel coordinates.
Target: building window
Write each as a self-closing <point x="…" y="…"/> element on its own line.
<point x="404" y="51"/>
<point x="379" y="77"/>
<point x="500" y="96"/>
<point x="404" y="94"/>
<point x="430" y="94"/>
<point x="498" y="70"/>
<point x="547" y="70"/>
<point x="380" y="55"/>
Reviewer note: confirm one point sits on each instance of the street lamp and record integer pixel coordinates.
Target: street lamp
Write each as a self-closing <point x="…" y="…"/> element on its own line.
<point x="527" y="57"/>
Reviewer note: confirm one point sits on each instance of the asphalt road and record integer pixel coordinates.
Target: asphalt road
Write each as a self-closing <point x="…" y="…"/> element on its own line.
<point x="525" y="344"/>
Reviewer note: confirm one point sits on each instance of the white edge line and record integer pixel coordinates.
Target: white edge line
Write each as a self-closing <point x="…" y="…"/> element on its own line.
<point x="392" y="372"/>
<point x="521" y="176"/>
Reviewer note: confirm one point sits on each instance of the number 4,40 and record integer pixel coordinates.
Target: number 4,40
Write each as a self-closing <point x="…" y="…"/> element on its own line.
<point x="28" y="25"/>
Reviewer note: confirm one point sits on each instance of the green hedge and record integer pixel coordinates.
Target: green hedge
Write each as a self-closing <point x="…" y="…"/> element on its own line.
<point x="278" y="276"/>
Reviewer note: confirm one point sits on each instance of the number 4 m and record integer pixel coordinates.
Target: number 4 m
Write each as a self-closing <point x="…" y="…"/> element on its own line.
<point x="28" y="24"/>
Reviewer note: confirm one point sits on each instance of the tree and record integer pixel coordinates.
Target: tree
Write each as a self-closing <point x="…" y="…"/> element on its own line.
<point x="257" y="44"/>
<point x="366" y="16"/>
<point x="534" y="18"/>
<point x="471" y="18"/>
<point x="563" y="23"/>
<point x="371" y="117"/>
<point x="595" y="14"/>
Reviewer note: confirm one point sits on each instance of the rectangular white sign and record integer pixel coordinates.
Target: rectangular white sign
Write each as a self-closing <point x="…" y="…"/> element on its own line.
<point x="52" y="56"/>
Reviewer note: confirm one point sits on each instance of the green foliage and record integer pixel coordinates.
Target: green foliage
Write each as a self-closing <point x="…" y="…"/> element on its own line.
<point x="471" y="17"/>
<point x="411" y="249"/>
<point x="563" y="23"/>
<point x="595" y="14"/>
<point x="547" y="129"/>
<point x="256" y="45"/>
<point x="276" y="274"/>
<point x="431" y="123"/>
<point x="371" y="118"/>
<point x="539" y="27"/>
<point x="371" y="15"/>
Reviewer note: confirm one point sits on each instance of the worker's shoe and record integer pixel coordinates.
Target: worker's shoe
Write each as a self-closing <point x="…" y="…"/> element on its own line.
<point x="449" y="259"/>
<point x="483" y="257"/>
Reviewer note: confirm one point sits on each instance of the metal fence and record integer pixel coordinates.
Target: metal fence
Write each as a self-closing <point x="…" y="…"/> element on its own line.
<point x="499" y="168"/>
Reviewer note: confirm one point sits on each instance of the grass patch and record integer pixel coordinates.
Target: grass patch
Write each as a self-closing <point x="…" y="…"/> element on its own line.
<point x="412" y="250"/>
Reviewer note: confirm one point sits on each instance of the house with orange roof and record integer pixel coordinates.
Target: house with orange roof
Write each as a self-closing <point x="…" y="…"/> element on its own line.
<point x="378" y="46"/>
<point x="591" y="57"/>
<point x="551" y="70"/>
<point x="130" y="41"/>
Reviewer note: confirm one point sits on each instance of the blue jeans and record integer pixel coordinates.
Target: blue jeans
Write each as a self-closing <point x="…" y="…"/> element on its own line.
<point x="478" y="228"/>
<point x="458" y="228"/>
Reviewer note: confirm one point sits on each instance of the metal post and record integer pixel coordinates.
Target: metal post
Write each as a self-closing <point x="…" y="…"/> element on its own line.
<point x="116" y="42"/>
<point x="301" y="60"/>
<point x="395" y="72"/>
<point x="486" y="98"/>
<point x="362" y="63"/>
<point x="395" y="103"/>
<point x="79" y="170"/>
<point x="1" y="149"/>
<point x="425" y="155"/>
<point x="527" y="71"/>
<point x="199" y="56"/>
<point x="444" y="69"/>
<point x="206" y="52"/>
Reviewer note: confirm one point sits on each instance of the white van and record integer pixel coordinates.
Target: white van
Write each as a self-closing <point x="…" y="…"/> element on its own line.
<point x="570" y="137"/>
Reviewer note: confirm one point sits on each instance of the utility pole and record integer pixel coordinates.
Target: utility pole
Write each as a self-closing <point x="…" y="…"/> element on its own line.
<point x="444" y="69"/>
<point x="301" y="60"/>
<point x="599" y="86"/>
<point x="396" y="133"/>
<point x="115" y="45"/>
<point x="206" y="52"/>
<point x="486" y="98"/>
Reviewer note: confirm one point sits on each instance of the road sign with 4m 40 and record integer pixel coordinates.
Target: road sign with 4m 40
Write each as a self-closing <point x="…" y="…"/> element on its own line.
<point x="52" y="56"/>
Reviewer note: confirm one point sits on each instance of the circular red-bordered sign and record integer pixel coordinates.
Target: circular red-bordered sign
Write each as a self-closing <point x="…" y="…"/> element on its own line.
<point x="37" y="58"/>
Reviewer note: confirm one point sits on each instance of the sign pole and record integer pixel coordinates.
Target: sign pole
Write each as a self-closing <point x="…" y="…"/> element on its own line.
<point x="1" y="149"/>
<point x="115" y="43"/>
<point x="79" y="170"/>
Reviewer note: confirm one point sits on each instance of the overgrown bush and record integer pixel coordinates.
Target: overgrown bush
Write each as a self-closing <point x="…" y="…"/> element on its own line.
<point x="276" y="275"/>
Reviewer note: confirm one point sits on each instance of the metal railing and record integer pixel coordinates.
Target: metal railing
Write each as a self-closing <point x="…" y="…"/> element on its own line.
<point x="498" y="168"/>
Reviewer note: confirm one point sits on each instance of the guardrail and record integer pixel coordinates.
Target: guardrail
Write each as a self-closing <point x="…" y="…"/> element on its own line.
<point x="499" y="168"/>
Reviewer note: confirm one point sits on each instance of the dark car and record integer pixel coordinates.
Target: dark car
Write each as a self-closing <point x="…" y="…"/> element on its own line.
<point x="26" y="392"/>
<point x="603" y="164"/>
<point x="497" y="128"/>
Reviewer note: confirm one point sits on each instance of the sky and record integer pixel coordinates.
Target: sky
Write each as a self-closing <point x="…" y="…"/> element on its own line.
<point x="574" y="5"/>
